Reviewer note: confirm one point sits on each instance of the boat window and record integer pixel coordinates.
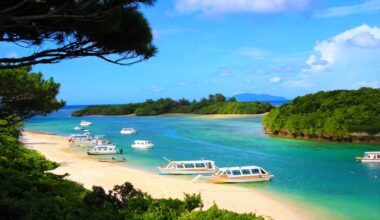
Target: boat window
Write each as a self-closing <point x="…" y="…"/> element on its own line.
<point x="246" y="172"/>
<point x="255" y="171"/>
<point x="179" y="166"/>
<point x="263" y="172"/>
<point x="189" y="165"/>
<point x="200" y="165"/>
<point x="209" y="165"/>
<point x="236" y="172"/>
<point x="378" y="156"/>
<point x="229" y="172"/>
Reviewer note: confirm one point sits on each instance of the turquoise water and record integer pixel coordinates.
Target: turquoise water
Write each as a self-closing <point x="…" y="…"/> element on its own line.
<point x="318" y="173"/>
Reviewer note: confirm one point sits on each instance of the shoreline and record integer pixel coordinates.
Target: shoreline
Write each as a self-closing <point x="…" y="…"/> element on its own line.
<point x="88" y="171"/>
<point x="350" y="140"/>
<point x="185" y="114"/>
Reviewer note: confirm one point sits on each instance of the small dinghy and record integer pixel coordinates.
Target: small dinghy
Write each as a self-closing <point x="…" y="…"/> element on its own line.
<point x="113" y="160"/>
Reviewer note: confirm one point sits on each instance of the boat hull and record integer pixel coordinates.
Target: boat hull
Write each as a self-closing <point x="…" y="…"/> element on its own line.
<point x="127" y="132"/>
<point x="240" y="179"/>
<point x="103" y="153"/>
<point x="367" y="160"/>
<point x="142" y="147"/>
<point x="185" y="172"/>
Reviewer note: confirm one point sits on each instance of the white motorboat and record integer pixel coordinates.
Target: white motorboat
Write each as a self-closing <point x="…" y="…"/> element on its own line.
<point x="84" y="123"/>
<point x="142" y="144"/>
<point x="106" y="149"/>
<point x="128" y="131"/>
<point x="77" y="128"/>
<point x="101" y="140"/>
<point x="370" y="157"/>
<point x="189" y="167"/>
<point x="240" y="175"/>
<point x="84" y="139"/>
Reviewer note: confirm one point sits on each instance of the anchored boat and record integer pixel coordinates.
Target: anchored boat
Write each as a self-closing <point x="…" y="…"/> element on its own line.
<point x="84" y="123"/>
<point x="373" y="156"/>
<point x="142" y="144"/>
<point x="77" y="128"/>
<point x="128" y="131"/>
<point x="104" y="150"/>
<point x="189" y="167"/>
<point x="240" y="175"/>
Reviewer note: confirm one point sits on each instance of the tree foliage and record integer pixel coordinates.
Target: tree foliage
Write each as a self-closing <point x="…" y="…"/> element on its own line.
<point x="333" y="114"/>
<point x="215" y="104"/>
<point x="62" y="29"/>
<point x="24" y="94"/>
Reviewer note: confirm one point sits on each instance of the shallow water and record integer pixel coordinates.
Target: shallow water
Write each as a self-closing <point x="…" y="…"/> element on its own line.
<point x="318" y="173"/>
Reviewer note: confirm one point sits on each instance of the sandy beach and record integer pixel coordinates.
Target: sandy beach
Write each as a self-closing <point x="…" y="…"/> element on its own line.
<point x="89" y="171"/>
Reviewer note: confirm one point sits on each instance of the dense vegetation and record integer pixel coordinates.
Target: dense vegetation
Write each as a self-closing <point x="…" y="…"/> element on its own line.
<point x="215" y="104"/>
<point x="339" y="115"/>
<point x="28" y="191"/>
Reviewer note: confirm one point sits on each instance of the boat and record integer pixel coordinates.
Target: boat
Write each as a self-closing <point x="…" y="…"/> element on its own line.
<point x="79" y="137"/>
<point x="106" y="149"/>
<point x="370" y="157"/>
<point x="113" y="160"/>
<point x="84" y="139"/>
<point x="84" y="123"/>
<point x="142" y="144"/>
<point x="77" y="128"/>
<point x="128" y="131"/>
<point x="240" y="175"/>
<point x="189" y="167"/>
<point x="100" y="140"/>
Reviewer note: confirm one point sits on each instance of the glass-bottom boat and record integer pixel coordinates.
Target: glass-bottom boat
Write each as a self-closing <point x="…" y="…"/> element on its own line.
<point x="240" y="175"/>
<point x="370" y="157"/>
<point x="189" y="167"/>
<point x="108" y="149"/>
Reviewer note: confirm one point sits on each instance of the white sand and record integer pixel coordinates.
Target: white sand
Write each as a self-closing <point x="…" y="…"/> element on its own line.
<point x="89" y="171"/>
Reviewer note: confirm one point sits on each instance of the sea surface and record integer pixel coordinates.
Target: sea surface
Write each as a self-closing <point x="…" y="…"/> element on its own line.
<point x="321" y="175"/>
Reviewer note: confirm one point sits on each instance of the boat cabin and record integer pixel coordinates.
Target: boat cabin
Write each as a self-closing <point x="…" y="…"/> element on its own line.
<point x="196" y="164"/>
<point x="372" y="155"/>
<point x="241" y="171"/>
<point x="142" y="142"/>
<point x="104" y="148"/>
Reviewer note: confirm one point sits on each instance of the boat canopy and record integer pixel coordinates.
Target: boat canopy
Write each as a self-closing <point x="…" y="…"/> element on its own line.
<point x="372" y="152"/>
<point x="192" y="161"/>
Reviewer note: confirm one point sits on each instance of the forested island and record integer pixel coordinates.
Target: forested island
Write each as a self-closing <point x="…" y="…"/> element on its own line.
<point x="340" y="115"/>
<point x="214" y="104"/>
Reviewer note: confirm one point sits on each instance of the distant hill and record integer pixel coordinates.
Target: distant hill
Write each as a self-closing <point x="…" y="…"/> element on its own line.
<point x="252" y="97"/>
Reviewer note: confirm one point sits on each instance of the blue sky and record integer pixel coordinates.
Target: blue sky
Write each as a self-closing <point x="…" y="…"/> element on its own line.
<point x="279" y="47"/>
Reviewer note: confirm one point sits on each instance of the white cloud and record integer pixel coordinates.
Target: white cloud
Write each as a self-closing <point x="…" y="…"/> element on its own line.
<point x="366" y="7"/>
<point x="373" y="84"/>
<point x="155" y="89"/>
<point x="238" y="6"/>
<point x="351" y="46"/>
<point x="275" y="79"/>
<point x="254" y="52"/>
